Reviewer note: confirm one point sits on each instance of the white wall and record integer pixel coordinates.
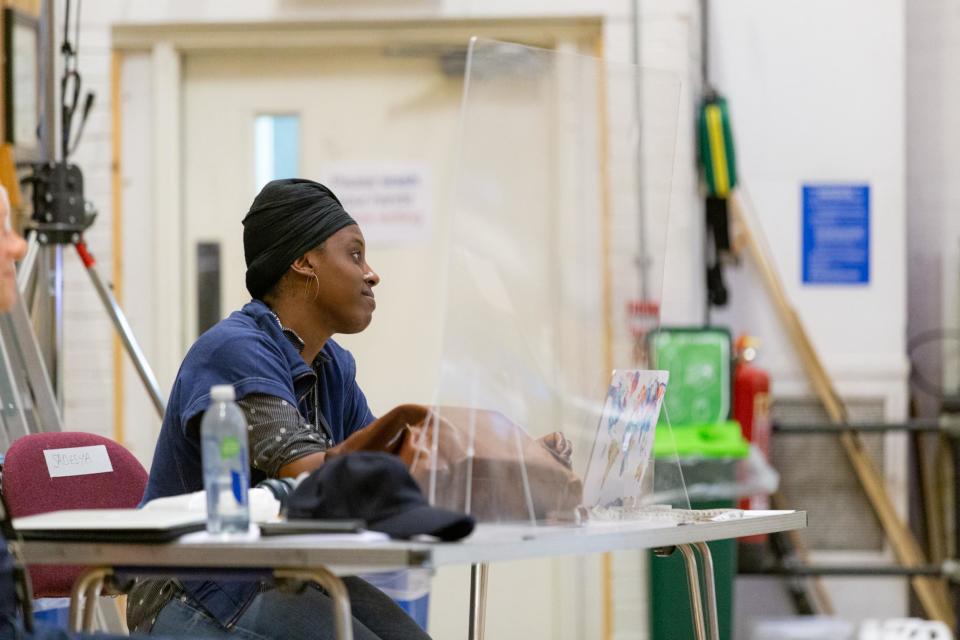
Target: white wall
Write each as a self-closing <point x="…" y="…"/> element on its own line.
<point x="817" y="98"/>
<point x="88" y="334"/>
<point x="933" y="193"/>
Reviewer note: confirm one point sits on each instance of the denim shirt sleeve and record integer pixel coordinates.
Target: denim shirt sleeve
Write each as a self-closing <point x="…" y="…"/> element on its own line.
<point x="252" y="364"/>
<point x="344" y="405"/>
<point x="360" y="414"/>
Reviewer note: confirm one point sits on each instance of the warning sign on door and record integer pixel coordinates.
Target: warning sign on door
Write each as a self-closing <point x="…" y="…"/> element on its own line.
<point x="391" y="203"/>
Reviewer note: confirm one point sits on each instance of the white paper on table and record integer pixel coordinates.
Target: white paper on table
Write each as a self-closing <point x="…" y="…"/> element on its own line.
<point x="264" y="507"/>
<point x="200" y="537"/>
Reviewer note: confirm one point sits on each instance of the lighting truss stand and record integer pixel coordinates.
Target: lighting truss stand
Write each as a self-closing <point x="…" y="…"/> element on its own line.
<point x="30" y="393"/>
<point x="60" y="217"/>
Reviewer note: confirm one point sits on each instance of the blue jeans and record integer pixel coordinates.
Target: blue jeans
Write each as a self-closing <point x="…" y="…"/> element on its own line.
<point x="308" y="614"/>
<point x="13" y="630"/>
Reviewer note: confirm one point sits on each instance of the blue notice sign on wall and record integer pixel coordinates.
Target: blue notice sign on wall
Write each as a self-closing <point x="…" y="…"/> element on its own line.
<point x="836" y="234"/>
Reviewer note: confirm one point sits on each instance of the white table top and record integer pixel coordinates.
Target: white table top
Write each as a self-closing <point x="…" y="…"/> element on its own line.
<point x="345" y="554"/>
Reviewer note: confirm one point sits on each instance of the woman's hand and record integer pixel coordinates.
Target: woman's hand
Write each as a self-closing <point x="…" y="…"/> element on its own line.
<point x="560" y="447"/>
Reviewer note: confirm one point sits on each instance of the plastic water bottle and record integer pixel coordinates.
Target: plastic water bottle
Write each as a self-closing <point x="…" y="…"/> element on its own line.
<point x="226" y="472"/>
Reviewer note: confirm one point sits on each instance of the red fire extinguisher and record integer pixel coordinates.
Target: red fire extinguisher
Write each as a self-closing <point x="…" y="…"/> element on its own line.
<point x="751" y="408"/>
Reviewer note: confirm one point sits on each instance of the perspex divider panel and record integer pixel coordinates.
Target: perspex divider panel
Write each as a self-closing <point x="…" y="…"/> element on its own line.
<point x="546" y="407"/>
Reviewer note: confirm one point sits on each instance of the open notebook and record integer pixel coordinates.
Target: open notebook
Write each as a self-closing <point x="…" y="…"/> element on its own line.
<point x="110" y="525"/>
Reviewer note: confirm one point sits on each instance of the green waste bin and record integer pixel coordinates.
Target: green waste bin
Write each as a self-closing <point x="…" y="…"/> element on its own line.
<point x="706" y="453"/>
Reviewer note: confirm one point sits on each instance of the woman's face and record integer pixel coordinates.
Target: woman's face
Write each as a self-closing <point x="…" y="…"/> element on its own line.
<point x="344" y="298"/>
<point x="12" y="249"/>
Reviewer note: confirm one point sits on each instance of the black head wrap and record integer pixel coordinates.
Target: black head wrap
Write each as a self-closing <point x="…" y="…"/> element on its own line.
<point x="287" y="218"/>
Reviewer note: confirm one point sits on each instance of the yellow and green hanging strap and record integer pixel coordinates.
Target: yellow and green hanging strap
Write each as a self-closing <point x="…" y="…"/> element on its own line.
<point x="716" y="147"/>
<point x="720" y="177"/>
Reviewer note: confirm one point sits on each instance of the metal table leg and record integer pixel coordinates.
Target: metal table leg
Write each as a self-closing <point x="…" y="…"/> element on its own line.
<point x="478" y="601"/>
<point x="86" y="589"/>
<point x="484" y="581"/>
<point x="343" y="618"/>
<point x="693" y="582"/>
<point x="91" y="602"/>
<point x="713" y="623"/>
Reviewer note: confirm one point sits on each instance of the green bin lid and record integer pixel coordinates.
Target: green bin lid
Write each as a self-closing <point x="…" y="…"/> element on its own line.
<point x="709" y="440"/>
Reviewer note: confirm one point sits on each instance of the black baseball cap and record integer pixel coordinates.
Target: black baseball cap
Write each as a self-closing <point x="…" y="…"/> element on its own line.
<point x="376" y="488"/>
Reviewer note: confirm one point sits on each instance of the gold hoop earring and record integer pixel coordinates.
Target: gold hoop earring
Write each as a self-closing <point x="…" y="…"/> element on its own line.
<point x="306" y="284"/>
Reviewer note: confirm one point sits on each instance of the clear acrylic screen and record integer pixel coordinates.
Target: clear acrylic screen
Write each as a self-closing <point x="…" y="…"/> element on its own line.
<point x="555" y="270"/>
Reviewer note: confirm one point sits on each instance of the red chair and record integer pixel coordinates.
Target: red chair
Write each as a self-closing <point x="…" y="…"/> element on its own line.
<point x="29" y="490"/>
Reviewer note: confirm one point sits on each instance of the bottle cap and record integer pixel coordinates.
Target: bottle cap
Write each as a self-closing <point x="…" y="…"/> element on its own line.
<point x="222" y="393"/>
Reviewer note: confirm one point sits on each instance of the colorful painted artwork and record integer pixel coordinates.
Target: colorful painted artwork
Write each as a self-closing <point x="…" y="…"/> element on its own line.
<point x="620" y="462"/>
